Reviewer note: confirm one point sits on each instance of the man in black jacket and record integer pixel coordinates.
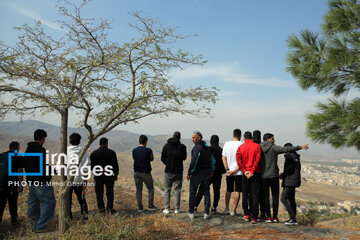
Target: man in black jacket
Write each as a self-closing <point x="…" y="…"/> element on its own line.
<point x="173" y="155"/>
<point x="41" y="200"/>
<point x="291" y="180"/>
<point x="105" y="158"/>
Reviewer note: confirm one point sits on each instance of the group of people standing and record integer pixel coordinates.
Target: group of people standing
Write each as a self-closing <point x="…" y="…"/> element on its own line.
<point x="250" y="167"/>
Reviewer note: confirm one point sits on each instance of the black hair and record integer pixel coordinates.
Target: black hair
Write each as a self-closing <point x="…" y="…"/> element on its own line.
<point x="103" y="141"/>
<point x="39" y="134"/>
<point x="199" y="134"/>
<point x="143" y="139"/>
<point x="237" y="133"/>
<point x="177" y="135"/>
<point x="267" y="136"/>
<point x="75" y="139"/>
<point x="14" y="145"/>
<point x="247" y="135"/>
<point x="257" y="136"/>
<point x="288" y="145"/>
<point x="214" y="140"/>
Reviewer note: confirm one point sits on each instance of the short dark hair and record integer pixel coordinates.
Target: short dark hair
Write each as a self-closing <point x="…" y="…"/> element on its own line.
<point x="257" y="136"/>
<point x="214" y="140"/>
<point x="247" y="135"/>
<point x="267" y="136"/>
<point x="177" y="135"/>
<point x="103" y="141"/>
<point x="39" y="134"/>
<point x="237" y="133"/>
<point x="14" y="145"/>
<point x="143" y="139"/>
<point x="199" y="134"/>
<point x="288" y="145"/>
<point x="75" y="139"/>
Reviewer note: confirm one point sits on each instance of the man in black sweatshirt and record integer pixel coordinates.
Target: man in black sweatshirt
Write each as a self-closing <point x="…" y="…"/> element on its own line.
<point x="105" y="158"/>
<point x="269" y="173"/>
<point x="173" y="155"/>
<point x="41" y="200"/>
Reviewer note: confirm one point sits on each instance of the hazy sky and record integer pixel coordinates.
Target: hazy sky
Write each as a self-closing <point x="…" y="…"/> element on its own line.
<point x="244" y="42"/>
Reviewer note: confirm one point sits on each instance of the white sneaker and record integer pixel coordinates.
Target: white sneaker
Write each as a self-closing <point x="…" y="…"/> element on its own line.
<point x="191" y="215"/>
<point x="226" y="211"/>
<point x="206" y="216"/>
<point x="233" y="213"/>
<point x="166" y="211"/>
<point x="177" y="211"/>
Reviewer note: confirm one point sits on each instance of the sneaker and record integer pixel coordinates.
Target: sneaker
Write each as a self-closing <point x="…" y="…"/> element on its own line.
<point x="206" y="216"/>
<point x="195" y="210"/>
<point x="268" y="220"/>
<point x="140" y="210"/>
<point x="291" y="222"/>
<point x="233" y="213"/>
<point x="213" y="211"/>
<point x="177" y="211"/>
<point x="152" y="209"/>
<point x="247" y="218"/>
<point x="191" y="215"/>
<point x="275" y="220"/>
<point x="166" y="211"/>
<point x="226" y="211"/>
<point x="258" y="219"/>
<point x="253" y="221"/>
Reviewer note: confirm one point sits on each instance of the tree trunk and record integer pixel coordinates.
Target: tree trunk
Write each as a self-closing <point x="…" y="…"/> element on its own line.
<point x="64" y="198"/>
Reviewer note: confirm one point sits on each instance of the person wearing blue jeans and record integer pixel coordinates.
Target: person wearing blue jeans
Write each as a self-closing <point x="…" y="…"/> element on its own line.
<point x="41" y="199"/>
<point x="201" y="167"/>
<point x="41" y="205"/>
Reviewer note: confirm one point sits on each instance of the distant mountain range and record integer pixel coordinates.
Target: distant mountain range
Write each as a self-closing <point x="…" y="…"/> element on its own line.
<point x="120" y="141"/>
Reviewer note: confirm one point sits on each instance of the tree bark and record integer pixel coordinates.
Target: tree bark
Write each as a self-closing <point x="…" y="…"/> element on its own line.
<point x="64" y="193"/>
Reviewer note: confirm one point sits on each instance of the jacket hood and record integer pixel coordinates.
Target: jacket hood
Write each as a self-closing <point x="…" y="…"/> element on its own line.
<point x="265" y="146"/>
<point x="74" y="149"/>
<point x="173" y="141"/>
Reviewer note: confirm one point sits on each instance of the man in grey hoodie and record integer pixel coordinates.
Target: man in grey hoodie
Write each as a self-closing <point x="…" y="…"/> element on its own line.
<point x="269" y="173"/>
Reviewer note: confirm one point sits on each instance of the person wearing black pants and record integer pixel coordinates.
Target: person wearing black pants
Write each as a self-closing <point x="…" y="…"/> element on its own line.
<point x="9" y="194"/>
<point x="105" y="157"/>
<point x="248" y="159"/>
<point x="216" y="151"/>
<point x="273" y="184"/>
<point x="100" y="182"/>
<point x="79" y="192"/>
<point x="8" y="191"/>
<point x="291" y="180"/>
<point x="251" y="189"/>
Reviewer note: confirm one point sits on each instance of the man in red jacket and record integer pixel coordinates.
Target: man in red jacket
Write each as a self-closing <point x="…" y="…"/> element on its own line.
<point x="248" y="159"/>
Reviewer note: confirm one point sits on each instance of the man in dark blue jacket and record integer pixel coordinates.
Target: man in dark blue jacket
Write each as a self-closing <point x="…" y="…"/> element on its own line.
<point x="201" y="167"/>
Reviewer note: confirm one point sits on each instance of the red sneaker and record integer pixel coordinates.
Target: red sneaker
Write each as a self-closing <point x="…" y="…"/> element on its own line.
<point x="268" y="220"/>
<point x="275" y="220"/>
<point x="253" y="221"/>
<point x="247" y="218"/>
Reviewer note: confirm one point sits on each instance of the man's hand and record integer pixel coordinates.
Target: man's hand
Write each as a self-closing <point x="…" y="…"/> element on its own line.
<point x="248" y="174"/>
<point x="188" y="177"/>
<point x="228" y="172"/>
<point x="281" y="176"/>
<point x="115" y="178"/>
<point x="306" y="146"/>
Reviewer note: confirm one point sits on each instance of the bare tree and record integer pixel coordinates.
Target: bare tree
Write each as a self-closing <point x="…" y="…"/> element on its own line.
<point x="105" y="83"/>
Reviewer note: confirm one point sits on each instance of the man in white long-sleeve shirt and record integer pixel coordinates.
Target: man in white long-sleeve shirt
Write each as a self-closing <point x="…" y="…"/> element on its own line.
<point x="80" y="180"/>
